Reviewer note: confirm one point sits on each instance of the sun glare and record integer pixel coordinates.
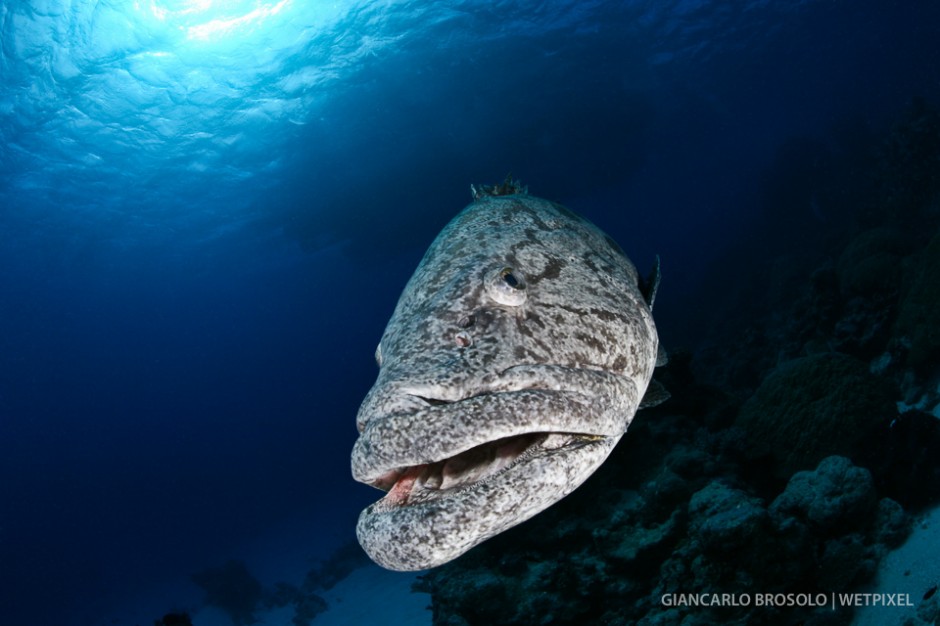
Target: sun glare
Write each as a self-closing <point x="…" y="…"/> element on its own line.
<point x="210" y="20"/>
<point x="227" y="25"/>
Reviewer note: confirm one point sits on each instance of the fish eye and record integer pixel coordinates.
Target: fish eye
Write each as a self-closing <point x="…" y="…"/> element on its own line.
<point x="506" y="286"/>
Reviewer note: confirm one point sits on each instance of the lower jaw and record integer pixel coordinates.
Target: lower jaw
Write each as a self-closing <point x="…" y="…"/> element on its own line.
<point x="429" y="532"/>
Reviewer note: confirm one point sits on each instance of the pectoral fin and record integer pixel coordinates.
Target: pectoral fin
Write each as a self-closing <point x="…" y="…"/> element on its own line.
<point x="656" y="394"/>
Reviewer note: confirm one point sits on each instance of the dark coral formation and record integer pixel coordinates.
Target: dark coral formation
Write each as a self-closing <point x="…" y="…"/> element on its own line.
<point x="174" y="619"/>
<point x="917" y="328"/>
<point x="908" y="162"/>
<point x="802" y="433"/>
<point x="812" y="407"/>
<point x="324" y="575"/>
<point x="233" y="589"/>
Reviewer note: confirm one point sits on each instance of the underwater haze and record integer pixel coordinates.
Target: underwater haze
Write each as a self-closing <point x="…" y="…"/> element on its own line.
<point x="209" y="209"/>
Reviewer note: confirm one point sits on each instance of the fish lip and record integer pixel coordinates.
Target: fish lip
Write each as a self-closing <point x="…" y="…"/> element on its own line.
<point x="519" y="377"/>
<point x="410" y="424"/>
<point x="423" y="395"/>
<point x="414" y="485"/>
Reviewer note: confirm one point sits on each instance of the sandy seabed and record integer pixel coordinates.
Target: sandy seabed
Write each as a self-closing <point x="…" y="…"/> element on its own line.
<point x="912" y="569"/>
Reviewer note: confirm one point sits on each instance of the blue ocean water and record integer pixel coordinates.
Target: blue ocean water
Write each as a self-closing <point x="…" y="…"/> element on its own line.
<point x="208" y="210"/>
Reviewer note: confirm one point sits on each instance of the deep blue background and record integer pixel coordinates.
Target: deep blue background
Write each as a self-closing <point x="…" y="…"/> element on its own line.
<point x="202" y="236"/>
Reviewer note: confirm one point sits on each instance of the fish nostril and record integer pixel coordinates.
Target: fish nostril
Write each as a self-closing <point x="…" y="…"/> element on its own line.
<point x="466" y="321"/>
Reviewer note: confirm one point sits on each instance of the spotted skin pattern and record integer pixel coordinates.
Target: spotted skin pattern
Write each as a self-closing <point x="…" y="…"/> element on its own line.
<point x="524" y="325"/>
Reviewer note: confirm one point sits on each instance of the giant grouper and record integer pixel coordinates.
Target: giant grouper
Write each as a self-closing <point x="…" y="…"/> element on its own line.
<point x="515" y="360"/>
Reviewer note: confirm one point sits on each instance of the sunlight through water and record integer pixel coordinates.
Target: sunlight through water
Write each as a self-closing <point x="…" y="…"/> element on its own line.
<point x="209" y="20"/>
<point x="173" y="88"/>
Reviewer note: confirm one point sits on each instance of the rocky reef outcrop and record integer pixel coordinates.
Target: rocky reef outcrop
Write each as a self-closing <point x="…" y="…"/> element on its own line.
<point x="232" y="588"/>
<point x="917" y="328"/>
<point x="812" y="407"/>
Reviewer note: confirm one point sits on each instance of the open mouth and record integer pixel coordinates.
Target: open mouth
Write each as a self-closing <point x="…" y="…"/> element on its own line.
<point x="478" y="465"/>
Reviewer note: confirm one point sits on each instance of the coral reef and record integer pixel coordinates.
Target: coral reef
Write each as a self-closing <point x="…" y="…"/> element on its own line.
<point x="813" y="407"/>
<point x="872" y="263"/>
<point x="232" y="589"/>
<point x="917" y="328"/>
<point x="307" y="604"/>
<point x="834" y="497"/>
<point x="325" y="574"/>
<point x="723" y="518"/>
<point x="908" y="162"/>
<point x="174" y="619"/>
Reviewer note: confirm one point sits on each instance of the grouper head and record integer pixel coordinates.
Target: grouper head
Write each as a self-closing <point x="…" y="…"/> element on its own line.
<point x="515" y="359"/>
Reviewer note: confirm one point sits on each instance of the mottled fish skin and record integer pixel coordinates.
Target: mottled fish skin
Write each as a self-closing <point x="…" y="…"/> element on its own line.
<point x="523" y="325"/>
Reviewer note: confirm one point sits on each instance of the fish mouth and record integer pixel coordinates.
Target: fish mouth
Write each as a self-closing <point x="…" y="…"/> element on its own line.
<point x="461" y="465"/>
<point x="434" y="512"/>
<point x="483" y="463"/>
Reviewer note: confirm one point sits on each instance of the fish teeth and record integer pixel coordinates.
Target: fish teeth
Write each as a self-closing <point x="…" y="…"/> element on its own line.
<point x="432" y="478"/>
